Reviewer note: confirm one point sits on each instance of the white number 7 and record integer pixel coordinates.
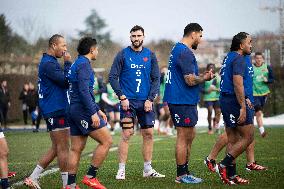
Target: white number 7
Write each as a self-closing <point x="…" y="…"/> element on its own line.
<point x="138" y="85"/>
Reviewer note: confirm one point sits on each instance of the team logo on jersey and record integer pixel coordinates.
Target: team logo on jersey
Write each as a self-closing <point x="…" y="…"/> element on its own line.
<point x="84" y="124"/>
<point x="145" y="59"/>
<point x="177" y="118"/>
<point x="138" y="73"/>
<point x="187" y="120"/>
<point x="50" y="120"/>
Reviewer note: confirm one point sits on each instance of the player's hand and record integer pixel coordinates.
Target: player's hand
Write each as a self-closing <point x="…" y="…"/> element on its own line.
<point x="103" y="115"/>
<point x="95" y="120"/>
<point x="248" y="102"/>
<point x="67" y="57"/>
<point x="148" y="105"/>
<point x="265" y="79"/>
<point x="125" y="104"/>
<point x="208" y="75"/>
<point x="242" y="116"/>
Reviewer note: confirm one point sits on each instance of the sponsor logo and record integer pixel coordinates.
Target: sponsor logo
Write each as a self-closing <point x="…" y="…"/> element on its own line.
<point x="187" y="120"/>
<point x="84" y="124"/>
<point x="177" y="118"/>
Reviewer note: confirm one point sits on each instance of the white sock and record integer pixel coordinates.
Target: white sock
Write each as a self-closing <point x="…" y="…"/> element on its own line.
<point x="37" y="171"/>
<point x="64" y="176"/>
<point x="147" y="166"/>
<point x="121" y="166"/>
<point x="261" y="130"/>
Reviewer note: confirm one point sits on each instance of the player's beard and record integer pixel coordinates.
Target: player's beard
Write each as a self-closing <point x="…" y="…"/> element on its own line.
<point x="194" y="46"/>
<point x="137" y="46"/>
<point x="247" y="52"/>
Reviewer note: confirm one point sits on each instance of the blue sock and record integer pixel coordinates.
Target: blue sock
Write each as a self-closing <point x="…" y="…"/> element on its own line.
<point x="92" y="171"/>
<point x="4" y="183"/>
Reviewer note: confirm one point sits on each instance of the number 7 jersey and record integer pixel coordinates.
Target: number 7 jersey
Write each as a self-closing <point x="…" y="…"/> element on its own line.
<point x="138" y="74"/>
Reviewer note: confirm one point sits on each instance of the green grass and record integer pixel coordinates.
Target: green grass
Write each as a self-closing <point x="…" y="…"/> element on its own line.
<point x="26" y="148"/>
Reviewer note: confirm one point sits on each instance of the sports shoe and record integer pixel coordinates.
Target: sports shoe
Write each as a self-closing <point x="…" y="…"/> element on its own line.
<point x="211" y="164"/>
<point x="120" y="174"/>
<point x="153" y="173"/>
<point x="255" y="167"/>
<point x="188" y="179"/>
<point x="11" y="174"/>
<point x="222" y="172"/>
<point x="93" y="183"/>
<point x="31" y="183"/>
<point x="69" y="187"/>
<point x="238" y="180"/>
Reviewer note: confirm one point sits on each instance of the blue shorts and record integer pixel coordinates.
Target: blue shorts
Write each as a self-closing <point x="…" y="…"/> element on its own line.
<point x="230" y="109"/>
<point x="259" y="102"/>
<point x="109" y="108"/>
<point x="184" y="115"/>
<point x="215" y="104"/>
<point x="56" y="123"/>
<point x="81" y="122"/>
<point x="136" y="109"/>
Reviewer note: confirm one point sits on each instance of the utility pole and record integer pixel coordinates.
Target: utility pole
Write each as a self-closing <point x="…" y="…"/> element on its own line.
<point x="280" y="10"/>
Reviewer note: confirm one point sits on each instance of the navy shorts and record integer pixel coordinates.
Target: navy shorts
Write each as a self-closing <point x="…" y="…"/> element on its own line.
<point x="184" y="115"/>
<point x="259" y="102"/>
<point x="215" y="104"/>
<point x="109" y="108"/>
<point x="81" y="122"/>
<point x="136" y="109"/>
<point x="230" y="109"/>
<point x="56" y="123"/>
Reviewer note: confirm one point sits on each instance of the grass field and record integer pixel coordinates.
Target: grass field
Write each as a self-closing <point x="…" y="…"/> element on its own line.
<point x="26" y="148"/>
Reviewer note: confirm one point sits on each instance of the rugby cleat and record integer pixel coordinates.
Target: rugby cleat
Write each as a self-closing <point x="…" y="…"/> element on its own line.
<point x="29" y="182"/>
<point x="69" y="187"/>
<point x="11" y="174"/>
<point x="153" y="173"/>
<point x="255" y="167"/>
<point x="211" y="164"/>
<point x="188" y="179"/>
<point x="92" y="183"/>
<point x="222" y="172"/>
<point x="120" y="174"/>
<point x="238" y="180"/>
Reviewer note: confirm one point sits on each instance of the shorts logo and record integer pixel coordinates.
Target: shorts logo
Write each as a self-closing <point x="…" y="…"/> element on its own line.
<point x="84" y="124"/>
<point x="50" y="120"/>
<point x="61" y="121"/>
<point x="145" y="59"/>
<point x="177" y="118"/>
<point x="232" y="118"/>
<point x="187" y="120"/>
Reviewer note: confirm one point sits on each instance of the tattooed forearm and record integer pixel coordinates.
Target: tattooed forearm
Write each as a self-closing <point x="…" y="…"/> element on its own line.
<point x="192" y="79"/>
<point x="239" y="90"/>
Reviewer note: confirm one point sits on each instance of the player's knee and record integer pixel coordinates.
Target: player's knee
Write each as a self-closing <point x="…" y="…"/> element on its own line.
<point x="223" y="138"/>
<point x="4" y="153"/>
<point x="147" y="134"/>
<point x="126" y="134"/>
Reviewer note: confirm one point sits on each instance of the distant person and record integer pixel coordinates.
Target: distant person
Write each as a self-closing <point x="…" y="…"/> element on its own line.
<point x="111" y="106"/>
<point x="4" y="102"/>
<point x="24" y="98"/>
<point x="211" y="91"/>
<point x="263" y="76"/>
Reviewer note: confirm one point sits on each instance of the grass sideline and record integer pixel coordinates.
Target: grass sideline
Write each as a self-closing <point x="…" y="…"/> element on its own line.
<point x="26" y="148"/>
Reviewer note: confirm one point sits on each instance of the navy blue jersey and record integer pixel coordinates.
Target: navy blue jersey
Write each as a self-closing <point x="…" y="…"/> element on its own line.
<point x="52" y="86"/>
<point x="181" y="62"/>
<point x="137" y="72"/>
<point x="236" y="64"/>
<point x="81" y="79"/>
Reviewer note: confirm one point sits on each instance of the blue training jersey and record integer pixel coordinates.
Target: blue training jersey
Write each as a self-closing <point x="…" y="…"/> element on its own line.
<point x="81" y="79"/>
<point x="236" y="64"/>
<point x="181" y="62"/>
<point x="52" y="86"/>
<point x="135" y="74"/>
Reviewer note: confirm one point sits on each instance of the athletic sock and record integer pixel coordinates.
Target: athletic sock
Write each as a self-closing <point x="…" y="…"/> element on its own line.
<point x="147" y="166"/>
<point x="232" y="170"/>
<point x="182" y="169"/>
<point x="37" y="171"/>
<point x="228" y="160"/>
<point x="64" y="176"/>
<point x="121" y="166"/>
<point x="4" y="183"/>
<point x="92" y="172"/>
<point x="71" y="180"/>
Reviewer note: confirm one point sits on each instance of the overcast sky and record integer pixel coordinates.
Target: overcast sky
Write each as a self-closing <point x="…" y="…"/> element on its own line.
<point x="160" y="18"/>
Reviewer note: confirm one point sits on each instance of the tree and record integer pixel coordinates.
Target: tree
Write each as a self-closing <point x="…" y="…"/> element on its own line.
<point x="94" y="28"/>
<point x="5" y="35"/>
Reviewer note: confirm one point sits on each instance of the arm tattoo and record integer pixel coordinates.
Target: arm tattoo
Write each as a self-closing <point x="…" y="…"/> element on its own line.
<point x="192" y="79"/>
<point x="239" y="89"/>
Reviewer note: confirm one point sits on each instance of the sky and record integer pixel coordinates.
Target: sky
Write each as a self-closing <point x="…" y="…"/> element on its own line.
<point x="161" y="19"/>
